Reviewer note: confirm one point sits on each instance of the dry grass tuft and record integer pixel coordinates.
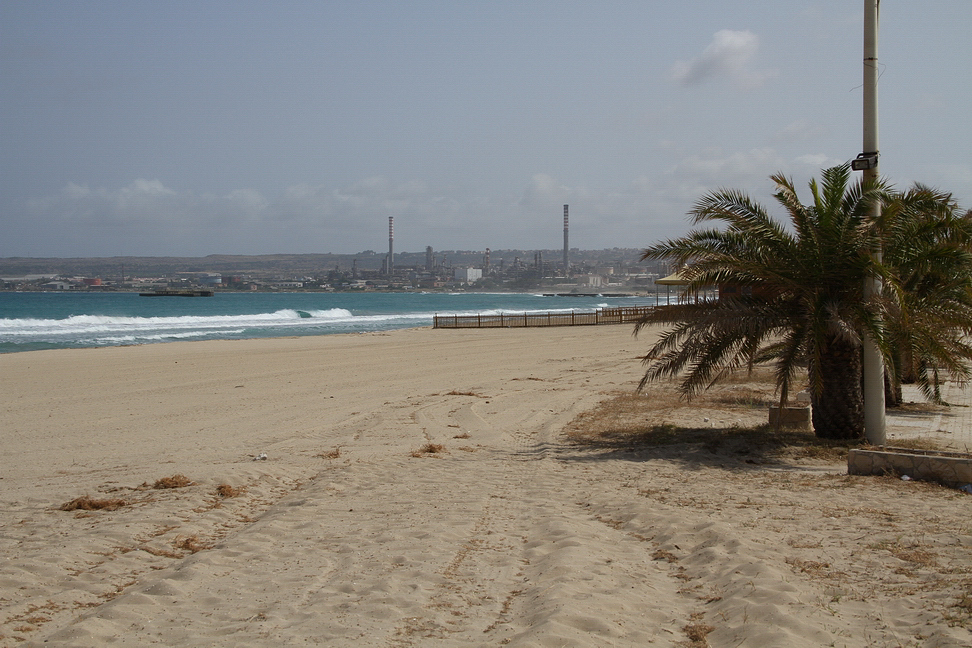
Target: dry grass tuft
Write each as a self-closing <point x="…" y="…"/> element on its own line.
<point x="331" y="454"/>
<point x="428" y="449"/>
<point x="175" y="481"/>
<point x="192" y="544"/>
<point x="638" y="422"/>
<point x="225" y="490"/>
<point x="162" y="553"/>
<point x="925" y="445"/>
<point x="662" y="554"/>
<point x="811" y="567"/>
<point x="964" y="600"/>
<point x="464" y="435"/>
<point x="697" y="633"/>
<point x="88" y="503"/>
<point x="915" y="555"/>
<point x="456" y="392"/>
<point x="746" y="397"/>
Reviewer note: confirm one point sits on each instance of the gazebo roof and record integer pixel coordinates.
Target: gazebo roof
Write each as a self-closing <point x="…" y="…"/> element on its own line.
<point x="673" y="280"/>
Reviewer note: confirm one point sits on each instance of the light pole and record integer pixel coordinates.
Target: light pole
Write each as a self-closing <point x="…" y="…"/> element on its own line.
<point x="874" y="422"/>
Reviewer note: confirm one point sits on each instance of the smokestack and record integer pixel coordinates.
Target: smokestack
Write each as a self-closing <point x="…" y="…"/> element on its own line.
<point x="486" y="263"/>
<point x="391" y="245"/>
<point x="566" y="247"/>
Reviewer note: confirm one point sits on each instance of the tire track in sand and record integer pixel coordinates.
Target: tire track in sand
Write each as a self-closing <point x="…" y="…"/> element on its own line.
<point x="481" y="547"/>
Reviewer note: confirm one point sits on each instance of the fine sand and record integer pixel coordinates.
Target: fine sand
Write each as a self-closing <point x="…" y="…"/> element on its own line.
<point x="419" y="489"/>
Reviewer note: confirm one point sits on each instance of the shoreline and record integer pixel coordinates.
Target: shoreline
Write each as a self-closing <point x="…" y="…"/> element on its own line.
<point x="38" y="321"/>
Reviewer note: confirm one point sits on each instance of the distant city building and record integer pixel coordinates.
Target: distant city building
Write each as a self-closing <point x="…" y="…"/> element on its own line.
<point x="467" y="275"/>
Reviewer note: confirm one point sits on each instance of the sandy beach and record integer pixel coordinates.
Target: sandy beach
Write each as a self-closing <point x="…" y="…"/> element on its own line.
<point x="419" y="488"/>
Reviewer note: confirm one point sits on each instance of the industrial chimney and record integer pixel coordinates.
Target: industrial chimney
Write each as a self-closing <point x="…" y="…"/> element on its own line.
<point x="391" y="245"/>
<point x="566" y="247"/>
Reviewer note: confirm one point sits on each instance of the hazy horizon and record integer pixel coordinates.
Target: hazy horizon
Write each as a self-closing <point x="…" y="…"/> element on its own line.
<point x="246" y="128"/>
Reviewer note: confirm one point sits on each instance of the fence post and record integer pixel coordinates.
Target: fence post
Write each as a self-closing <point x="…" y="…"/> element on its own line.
<point x="479" y="320"/>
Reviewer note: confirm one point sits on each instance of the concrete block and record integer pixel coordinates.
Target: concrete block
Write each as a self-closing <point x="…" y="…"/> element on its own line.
<point x="790" y="417"/>
<point x="953" y="469"/>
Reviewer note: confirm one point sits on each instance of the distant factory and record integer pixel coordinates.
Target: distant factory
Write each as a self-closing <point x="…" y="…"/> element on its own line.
<point x="472" y="274"/>
<point x="500" y="269"/>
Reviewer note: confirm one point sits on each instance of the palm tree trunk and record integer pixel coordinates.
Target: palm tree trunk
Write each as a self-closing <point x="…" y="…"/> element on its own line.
<point x="838" y="407"/>
<point x="907" y="374"/>
<point x="892" y="377"/>
<point x="892" y="389"/>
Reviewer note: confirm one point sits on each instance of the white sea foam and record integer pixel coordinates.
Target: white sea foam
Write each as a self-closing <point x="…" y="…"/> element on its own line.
<point x="93" y="324"/>
<point x="284" y="315"/>
<point x="127" y="329"/>
<point x="158" y="337"/>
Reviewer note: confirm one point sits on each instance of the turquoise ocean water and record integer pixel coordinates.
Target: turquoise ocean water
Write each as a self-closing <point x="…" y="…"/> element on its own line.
<point x="46" y="320"/>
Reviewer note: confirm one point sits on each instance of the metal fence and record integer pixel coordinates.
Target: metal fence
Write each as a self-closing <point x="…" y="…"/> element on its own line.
<point x="573" y="318"/>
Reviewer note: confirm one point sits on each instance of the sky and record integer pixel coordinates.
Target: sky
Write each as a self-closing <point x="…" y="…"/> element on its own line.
<point x="193" y="128"/>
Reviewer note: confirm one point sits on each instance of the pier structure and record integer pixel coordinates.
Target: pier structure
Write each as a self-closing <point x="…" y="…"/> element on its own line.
<point x="621" y="315"/>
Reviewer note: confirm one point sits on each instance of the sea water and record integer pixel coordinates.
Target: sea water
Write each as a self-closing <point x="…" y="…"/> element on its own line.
<point x="53" y="320"/>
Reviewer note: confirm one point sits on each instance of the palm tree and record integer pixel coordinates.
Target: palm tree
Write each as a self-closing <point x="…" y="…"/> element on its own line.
<point x="801" y="297"/>
<point x="927" y="244"/>
<point x="801" y="301"/>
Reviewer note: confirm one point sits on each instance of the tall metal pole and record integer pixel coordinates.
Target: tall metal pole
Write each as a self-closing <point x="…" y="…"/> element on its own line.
<point x="874" y="422"/>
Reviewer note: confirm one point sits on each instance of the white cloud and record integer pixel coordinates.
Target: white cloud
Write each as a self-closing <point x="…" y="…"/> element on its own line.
<point x="713" y="167"/>
<point x="147" y="187"/>
<point x="729" y="55"/>
<point x="544" y="191"/>
<point x="140" y="195"/>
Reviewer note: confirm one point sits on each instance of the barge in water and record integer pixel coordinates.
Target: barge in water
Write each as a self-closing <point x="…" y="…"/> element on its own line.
<point x="167" y="292"/>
